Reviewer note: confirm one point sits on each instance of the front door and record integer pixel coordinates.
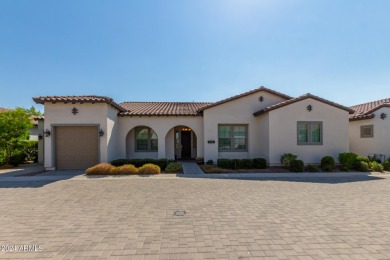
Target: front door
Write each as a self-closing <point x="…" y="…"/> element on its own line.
<point x="186" y="144"/>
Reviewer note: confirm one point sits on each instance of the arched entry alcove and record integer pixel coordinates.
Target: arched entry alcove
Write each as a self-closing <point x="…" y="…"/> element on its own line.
<point x="181" y="143"/>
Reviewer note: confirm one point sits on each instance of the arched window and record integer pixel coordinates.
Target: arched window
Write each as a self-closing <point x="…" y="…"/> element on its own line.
<point x="145" y="140"/>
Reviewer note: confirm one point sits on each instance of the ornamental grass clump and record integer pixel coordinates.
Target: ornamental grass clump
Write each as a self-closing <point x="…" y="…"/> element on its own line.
<point x="127" y="169"/>
<point x="100" y="169"/>
<point x="149" y="169"/>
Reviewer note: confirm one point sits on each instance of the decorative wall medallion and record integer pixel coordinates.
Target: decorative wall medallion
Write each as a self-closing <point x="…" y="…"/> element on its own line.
<point x="309" y="108"/>
<point x="74" y="111"/>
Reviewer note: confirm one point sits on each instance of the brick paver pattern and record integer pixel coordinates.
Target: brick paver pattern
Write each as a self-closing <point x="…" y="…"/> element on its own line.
<point x="225" y="219"/>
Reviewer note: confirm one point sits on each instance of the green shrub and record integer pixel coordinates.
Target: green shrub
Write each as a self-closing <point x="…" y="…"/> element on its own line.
<point x="286" y="159"/>
<point x="362" y="166"/>
<point x="17" y="158"/>
<point x="376" y="167"/>
<point x="327" y="163"/>
<point x="210" y="162"/>
<point x="224" y="163"/>
<point x="297" y="166"/>
<point x="99" y="169"/>
<point x="149" y="168"/>
<point x="363" y="159"/>
<point x="125" y="170"/>
<point x="173" y="167"/>
<point x="162" y="163"/>
<point x="30" y="149"/>
<point x="311" y="168"/>
<point x="245" y="164"/>
<point x="347" y="161"/>
<point x="386" y="165"/>
<point x="2" y="157"/>
<point x="259" y="163"/>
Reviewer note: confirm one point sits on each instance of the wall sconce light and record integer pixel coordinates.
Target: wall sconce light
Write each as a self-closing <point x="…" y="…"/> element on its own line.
<point x="101" y="133"/>
<point x="47" y="133"/>
<point x="383" y="116"/>
<point x="309" y="108"/>
<point x="40" y="137"/>
<point x="261" y="98"/>
<point x="74" y="111"/>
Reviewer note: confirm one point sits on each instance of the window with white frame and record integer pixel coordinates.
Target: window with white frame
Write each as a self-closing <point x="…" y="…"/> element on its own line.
<point x="145" y="140"/>
<point x="310" y="133"/>
<point x="366" y="131"/>
<point x="232" y="138"/>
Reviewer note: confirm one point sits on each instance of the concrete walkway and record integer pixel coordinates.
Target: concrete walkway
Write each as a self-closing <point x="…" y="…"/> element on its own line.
<point x="191" y="168"/>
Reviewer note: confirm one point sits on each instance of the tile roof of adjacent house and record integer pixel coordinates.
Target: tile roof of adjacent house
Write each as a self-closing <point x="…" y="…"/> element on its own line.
<point x="36" y="119"/>
<point x="2" y="109"/>
<point x="246" y="94"/>
<point x="78" y="99"/>
<point x="162" y="108"/>
<point x="365" y="111"/>
<point x="294" y="100"/>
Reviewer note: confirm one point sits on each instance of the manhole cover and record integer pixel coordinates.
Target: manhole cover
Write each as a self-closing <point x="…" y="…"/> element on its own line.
<point x="179" y="213"/>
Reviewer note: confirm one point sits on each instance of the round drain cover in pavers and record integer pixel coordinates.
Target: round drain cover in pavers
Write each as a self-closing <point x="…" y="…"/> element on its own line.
<point x="179" y="213"/>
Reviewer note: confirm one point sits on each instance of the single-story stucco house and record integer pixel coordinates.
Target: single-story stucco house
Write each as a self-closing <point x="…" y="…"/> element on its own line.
<point x="80" y="131"/>
<point x="369" y="129"/>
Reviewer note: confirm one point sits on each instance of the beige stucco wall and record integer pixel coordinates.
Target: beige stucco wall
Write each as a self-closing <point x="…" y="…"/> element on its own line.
<point x="380" y="143"/>
<point x="239" y="111"/>
<point x="41" y="157"/>
<point x="88" y="114"/>
<point x="33" y="133"/>
<point x="162" y="126"/>
<point x="283" y="131"/>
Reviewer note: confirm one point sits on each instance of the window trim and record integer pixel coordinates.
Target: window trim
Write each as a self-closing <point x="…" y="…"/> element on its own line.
<point x="309" y="135"/>
<point x="367" y="136"/>
<point x="232" y="138"/>
<point x="149" y="140"/>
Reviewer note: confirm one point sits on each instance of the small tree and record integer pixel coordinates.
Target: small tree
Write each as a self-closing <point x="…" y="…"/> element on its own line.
<point x="14" y="125"/>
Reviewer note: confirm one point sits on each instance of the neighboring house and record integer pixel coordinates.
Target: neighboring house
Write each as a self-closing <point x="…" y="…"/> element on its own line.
<point x="81" y="131"/>
<point x="369" y="129"/>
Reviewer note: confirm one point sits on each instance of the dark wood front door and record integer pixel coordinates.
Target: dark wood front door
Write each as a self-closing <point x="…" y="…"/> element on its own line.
<point x="186" y="144"/>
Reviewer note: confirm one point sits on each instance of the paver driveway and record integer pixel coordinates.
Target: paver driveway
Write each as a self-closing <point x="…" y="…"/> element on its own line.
<point x="132" y="218"/>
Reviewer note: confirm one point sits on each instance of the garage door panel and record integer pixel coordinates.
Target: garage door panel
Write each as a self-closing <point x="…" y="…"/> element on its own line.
<point x="76" y="147"/>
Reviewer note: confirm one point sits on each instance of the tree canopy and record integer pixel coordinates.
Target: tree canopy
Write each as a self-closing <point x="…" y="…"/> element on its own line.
<point x="14" y="125"/>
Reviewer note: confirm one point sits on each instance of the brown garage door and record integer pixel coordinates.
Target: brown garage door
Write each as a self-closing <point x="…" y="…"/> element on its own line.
<point x="76" y="147"/>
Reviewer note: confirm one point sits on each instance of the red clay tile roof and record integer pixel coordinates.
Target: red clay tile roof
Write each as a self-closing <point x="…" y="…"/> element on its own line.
<point x="36" y="119"/>
<point x="246" y="94"/>
<point x="2" y="109"/>
<point x="291" y="101"/>
<point x="162" y="108"/>
<point x="78" y="99"/>
<point x="365" y="111"/>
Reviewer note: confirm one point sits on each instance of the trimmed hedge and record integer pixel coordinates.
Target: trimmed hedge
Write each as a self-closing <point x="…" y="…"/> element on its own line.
<point x="297" y="166"/>
<point x="327" y="163"/>
<point x="100" y="169"/>
<point x="162" y="163"/>
<point x="347" y="161"/>
<point x="235" y="164"/>
<point x="286" y="159"/>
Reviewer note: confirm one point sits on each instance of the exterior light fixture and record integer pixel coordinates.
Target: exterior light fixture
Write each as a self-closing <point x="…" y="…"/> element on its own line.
<point x="101" y="133"/>
<point x="261" y="98"/>
<point x="383" y="116"/>
<point x="47" y="133"/>
<point x="74" y="111"/>
<point x="40" y="137"/>
<point x="309" y="108"/>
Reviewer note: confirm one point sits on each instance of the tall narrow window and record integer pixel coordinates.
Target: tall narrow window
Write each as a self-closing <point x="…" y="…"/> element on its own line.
<point x="232" y="138"/>
<point x="145" y="140"/>
<point x="309" y="133"/>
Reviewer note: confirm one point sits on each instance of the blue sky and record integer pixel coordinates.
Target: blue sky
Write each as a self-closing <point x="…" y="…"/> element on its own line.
<point x="193" y="50"/>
